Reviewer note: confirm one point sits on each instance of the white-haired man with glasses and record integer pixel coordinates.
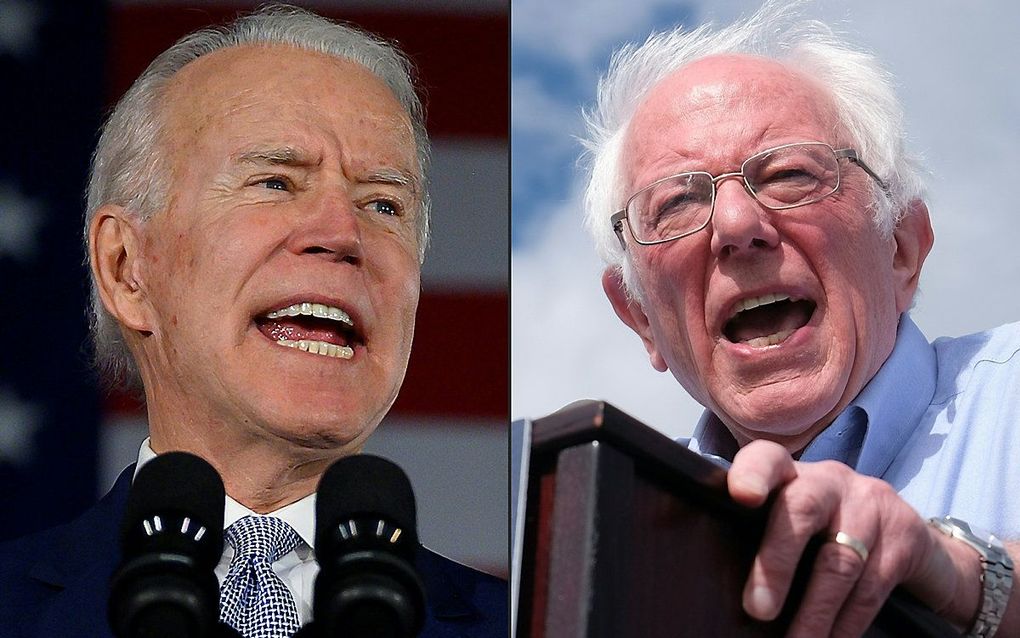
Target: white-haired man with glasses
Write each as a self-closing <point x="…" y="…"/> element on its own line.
<point x="765" y="231"/>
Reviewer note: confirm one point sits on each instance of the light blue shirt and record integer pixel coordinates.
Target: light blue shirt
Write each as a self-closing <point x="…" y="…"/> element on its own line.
<point x="939" y="422"/>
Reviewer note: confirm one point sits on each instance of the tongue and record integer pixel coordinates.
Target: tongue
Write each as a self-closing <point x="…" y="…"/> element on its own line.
<point x="298" y="328"/>
<point x="769" y="319"/>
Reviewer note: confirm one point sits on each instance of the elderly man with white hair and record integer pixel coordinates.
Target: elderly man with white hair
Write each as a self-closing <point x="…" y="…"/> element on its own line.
<point x="764" y="230"/>
<point x="257" y="219"/>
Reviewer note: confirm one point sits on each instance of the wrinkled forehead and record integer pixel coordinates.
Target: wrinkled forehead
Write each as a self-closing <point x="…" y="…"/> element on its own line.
<point x="276" y="82"/>
<point x="723" y="109"/>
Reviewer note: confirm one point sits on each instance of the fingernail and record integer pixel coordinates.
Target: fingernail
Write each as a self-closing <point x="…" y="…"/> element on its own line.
<point x="762" y="603"/>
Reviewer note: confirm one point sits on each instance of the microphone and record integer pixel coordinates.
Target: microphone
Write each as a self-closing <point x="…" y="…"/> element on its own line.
<point x="365" y="540"/>
<point x="172" y="539"/>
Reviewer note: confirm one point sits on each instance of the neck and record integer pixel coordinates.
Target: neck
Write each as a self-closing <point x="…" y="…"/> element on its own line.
<point x="263" y="473"/>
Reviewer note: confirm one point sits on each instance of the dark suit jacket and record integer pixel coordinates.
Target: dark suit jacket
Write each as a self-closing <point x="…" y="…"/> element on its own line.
<point x="55" y="584"/>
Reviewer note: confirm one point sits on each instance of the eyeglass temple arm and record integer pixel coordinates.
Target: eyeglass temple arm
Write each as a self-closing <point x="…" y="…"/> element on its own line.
<point x="851" y="155"/>
<point x="617" y="221"/>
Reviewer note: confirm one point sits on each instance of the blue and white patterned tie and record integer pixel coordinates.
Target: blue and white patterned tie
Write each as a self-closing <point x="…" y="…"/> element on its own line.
<point x="253" y="599"/>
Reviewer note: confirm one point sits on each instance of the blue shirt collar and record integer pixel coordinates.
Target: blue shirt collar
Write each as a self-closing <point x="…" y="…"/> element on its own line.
<point x="872" y="430"/>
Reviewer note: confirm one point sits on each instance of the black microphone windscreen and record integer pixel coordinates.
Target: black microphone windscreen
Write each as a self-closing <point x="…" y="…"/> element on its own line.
<point x="172" y="539"/>
<point x="365" y="542"/>
<point x="177" y="483"/>
<point x="364" y="484"/>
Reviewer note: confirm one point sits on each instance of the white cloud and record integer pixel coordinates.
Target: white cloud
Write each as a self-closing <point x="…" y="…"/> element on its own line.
<point x="568" y="344"/>
<point x="575" y="31"/>
<point x="536" y="111"/>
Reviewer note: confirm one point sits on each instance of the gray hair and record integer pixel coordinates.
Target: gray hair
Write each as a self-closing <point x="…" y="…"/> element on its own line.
<point x="861" y="89"/>
<point x="129" y="169"/>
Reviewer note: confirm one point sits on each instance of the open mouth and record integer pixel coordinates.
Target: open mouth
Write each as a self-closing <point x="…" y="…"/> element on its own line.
<point x="312" y="327"/>
<point x="767" y="320"/>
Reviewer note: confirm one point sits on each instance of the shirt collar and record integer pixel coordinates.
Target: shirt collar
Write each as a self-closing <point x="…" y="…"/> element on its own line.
<point x="300" y="514"/>
<point x="870" y="432"/>
<point x="711" y="438"/>
<point x="895" y="399"/>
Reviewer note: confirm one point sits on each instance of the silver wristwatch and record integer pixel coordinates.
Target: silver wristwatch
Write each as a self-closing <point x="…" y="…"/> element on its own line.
<point x="996" y="575"/>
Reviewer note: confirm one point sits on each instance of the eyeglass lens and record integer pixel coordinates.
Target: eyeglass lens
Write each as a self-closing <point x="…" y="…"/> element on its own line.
<point x="778" y="178"/>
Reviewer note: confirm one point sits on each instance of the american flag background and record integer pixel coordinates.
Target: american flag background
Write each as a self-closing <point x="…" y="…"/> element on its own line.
<point x="63" y="442"/>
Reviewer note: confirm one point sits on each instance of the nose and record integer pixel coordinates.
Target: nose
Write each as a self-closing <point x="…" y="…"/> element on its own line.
<point x="329" y="228"/>
<point x="740" y="224"/>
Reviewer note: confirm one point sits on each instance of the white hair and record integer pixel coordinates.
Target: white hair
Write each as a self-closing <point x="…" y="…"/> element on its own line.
<point x="862" y="91"/>
<point x="129" y="166"/>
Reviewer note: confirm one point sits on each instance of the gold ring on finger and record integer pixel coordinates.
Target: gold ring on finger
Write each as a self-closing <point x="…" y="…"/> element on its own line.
<point x="842" y="538"/>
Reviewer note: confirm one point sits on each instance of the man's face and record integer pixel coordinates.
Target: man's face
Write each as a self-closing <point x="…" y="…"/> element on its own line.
<point x="294" y="181"/>
<point x="827" y="258"/>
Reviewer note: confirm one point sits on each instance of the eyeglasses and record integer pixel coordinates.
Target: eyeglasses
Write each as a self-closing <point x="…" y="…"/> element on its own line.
<point x="779" y="178"/>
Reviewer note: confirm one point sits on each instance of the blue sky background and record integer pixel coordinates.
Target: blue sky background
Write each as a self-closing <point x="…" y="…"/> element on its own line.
<point x="959" y="84"/>
<point x="548" y="87"/>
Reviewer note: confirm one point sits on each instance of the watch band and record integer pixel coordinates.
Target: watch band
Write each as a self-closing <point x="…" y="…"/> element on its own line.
<point x="996" y="574"/>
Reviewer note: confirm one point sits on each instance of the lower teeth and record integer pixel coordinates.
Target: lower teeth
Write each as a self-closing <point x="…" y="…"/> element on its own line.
<point x="770" y="340"/>
<point x="319" y="347"/>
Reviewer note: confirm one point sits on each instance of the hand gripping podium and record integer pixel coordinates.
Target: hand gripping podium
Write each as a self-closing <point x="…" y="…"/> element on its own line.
<point x="627" y="533"/>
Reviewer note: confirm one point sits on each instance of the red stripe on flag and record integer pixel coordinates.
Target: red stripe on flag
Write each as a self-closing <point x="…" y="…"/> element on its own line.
<point x="460" y="361"/>
<point x="463" y="59"/>
<point x="459" y="364"/>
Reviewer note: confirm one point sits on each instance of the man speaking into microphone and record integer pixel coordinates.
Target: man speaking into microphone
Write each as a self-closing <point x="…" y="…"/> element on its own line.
<point x="256" y="222"/>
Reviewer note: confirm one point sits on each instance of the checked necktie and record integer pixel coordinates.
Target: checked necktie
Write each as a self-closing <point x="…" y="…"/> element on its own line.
<point x="253" y="599"/>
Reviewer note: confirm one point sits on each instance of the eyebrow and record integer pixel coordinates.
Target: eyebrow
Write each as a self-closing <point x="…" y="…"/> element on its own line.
<point x="290" y="156"/>
<point x="284" y="155"/>
<point x="394" y="177"/>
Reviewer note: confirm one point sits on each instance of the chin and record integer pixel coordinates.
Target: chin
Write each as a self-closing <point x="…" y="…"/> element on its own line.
<point x="319" y="426"/>
<point x="324" y="436"/>
<point x="775" y="416"/>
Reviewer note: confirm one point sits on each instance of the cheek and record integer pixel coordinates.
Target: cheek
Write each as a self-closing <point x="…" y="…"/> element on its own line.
<point x="856" y="268"/>
<point x="226" y="253"/>
<point x="169" y="261"/>
<point x="198" y="270"/>
<point x="674" y="295"/>
<point x="863" y="272"/>
<point x="395" y="280"/>
<point x="399" y="297"/>
<point x="674" y="285"/>
<point x="408" y="293"/>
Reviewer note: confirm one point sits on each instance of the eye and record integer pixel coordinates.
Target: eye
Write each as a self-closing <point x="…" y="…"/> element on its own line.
<point x="275" y="183"/>
<point x="385" y="207"/>
<point x="788" y="174"/>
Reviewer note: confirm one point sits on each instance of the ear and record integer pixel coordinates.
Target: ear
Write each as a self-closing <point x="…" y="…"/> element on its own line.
<point x="629" y="311"/>
<point x="115" y="258"/>
<point x="914" y="238"/>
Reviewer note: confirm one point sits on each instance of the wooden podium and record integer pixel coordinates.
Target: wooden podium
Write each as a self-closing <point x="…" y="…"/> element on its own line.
<point x="627" y="533"/>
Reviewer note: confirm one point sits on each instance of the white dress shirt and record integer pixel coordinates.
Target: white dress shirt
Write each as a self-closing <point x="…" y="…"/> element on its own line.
<point x="296" y="568"/>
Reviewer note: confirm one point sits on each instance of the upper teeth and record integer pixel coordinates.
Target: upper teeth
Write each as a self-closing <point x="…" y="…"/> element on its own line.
<point x="312" y="309"/>
<point x="754" y="302"/>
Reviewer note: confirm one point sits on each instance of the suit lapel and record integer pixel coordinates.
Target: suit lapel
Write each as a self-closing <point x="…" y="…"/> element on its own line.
<point x="444" y="597"/>
<point x="78" y="566"/>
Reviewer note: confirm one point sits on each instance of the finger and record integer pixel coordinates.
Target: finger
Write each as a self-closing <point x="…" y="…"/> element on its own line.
<point x="758" y="468"/>
<point x="903" y="536"/>
<point x="837" y="572"/>
<point x="861" y="609"/>
<point x="801" y="509"/>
